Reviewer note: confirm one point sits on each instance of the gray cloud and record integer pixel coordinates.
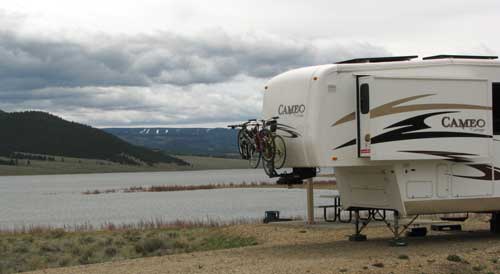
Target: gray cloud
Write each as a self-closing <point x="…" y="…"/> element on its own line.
<point x="161" y="78"/>
<point x="166" y="58"/>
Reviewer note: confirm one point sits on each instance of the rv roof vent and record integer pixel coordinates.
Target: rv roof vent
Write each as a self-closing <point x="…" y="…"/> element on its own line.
<point x="444" y="56"/>
<point x="378" y="59"/>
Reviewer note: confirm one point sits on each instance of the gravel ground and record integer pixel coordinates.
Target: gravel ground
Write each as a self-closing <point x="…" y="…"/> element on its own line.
<point x="300" y="249"/>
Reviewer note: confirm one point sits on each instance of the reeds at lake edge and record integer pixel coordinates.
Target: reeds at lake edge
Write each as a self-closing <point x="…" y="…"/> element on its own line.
<point x="171" y="188"/>
<point x="157" y="223"/>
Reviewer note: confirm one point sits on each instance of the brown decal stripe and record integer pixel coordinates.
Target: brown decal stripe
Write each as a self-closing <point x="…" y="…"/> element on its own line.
<point x="393" y="108"/>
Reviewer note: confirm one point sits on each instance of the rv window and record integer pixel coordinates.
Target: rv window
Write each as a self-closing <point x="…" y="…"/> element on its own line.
<point x="496" y="108"/>
<point x="364" y="98"/>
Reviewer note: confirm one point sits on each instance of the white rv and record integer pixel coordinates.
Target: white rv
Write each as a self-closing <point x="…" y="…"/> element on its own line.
<point x="414" y="136"/>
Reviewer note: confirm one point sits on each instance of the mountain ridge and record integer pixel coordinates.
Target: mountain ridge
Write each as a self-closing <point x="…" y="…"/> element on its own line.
<point x="217" y="142"/>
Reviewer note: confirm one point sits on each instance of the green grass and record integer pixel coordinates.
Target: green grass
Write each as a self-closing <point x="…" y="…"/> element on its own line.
<point x="68" y="165"/>
<point x="81" y="166"/>
<point x="55" y="248"/>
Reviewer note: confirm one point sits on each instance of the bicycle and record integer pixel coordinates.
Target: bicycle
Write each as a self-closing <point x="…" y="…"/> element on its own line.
<point x="279" y="149"/>
<point x="244" y="138"/>
<point x="258" y="140"/>
<point x="279" y="156"/>
<point x="254" y="142"/>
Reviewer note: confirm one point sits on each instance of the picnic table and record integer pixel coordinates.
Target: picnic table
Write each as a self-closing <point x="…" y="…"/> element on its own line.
<point x="373" y="214"/>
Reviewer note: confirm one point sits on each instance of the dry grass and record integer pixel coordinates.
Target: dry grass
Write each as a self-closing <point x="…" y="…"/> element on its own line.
<point x="321" y="250"/>
<point x="32" y="248"/>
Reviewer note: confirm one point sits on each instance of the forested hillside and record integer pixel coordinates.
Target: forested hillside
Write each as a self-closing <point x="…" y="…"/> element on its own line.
<point x="42" y="133"/>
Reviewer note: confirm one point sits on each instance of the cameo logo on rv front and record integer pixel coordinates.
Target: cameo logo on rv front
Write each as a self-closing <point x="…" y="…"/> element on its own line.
<point x="291" y="109"/>
<point x="448" y="122"/>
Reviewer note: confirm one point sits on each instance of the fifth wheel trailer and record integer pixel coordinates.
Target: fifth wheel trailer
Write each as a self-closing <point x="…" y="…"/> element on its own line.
<point x="413" y="136"/>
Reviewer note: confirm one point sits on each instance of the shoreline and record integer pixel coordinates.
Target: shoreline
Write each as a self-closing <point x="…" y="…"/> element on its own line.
<point x="119" y="172"/>
<point x="323" y="184"/>
<point x="71" y="166"/>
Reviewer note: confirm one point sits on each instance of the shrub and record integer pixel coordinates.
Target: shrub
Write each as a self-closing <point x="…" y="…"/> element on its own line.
<point x="153" y="244"/>
<point x="35" y="262"/>
<point x="86" y="240"/>
<point x="478" y="267"/>
<point x="132" y="236"/>
<point x="403" y="257"/>
<point x="76" y="250"/>
<point x="380" y="265"/>
<point x="85" y="257"/>
<point x="46" y="247"/>
<point x="139" y="248"/>
<point x="454" y="258"/>
<point x="110" y="251"/>
<point x="65" y="261"/>
<point x="21" y="249"/>
<point x="172" y="235"/>
<point x="179" y="245"/>
<point x="57" y="233"/>
<point x="221" y="241"/>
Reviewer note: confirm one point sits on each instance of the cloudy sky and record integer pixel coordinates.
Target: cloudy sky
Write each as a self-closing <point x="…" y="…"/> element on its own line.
<point x="185" y="63"/>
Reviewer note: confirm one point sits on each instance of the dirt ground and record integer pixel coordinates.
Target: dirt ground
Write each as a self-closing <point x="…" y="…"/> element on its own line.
<point x="326" y="249"/>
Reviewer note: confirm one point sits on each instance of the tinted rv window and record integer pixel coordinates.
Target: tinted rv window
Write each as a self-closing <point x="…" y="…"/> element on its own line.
<point x="496" y="108"/>
<point x="364" y="98"/>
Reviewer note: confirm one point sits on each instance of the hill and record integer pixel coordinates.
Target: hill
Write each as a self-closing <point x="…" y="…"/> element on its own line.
<point x="42" y="133"/>
<point x="218" y="142"/>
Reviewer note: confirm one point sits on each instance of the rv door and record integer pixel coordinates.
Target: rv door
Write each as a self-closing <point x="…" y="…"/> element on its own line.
<point x="363" y="115"/>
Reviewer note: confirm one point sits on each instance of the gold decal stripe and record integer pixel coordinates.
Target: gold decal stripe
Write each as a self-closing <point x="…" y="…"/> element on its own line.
<point x="349" y="117"/>
<point x="392" y="108"/>
<point x="376" y="112"/>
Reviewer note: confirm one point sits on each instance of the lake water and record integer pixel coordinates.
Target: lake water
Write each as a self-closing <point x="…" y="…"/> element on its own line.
<point x="57" y="200"/>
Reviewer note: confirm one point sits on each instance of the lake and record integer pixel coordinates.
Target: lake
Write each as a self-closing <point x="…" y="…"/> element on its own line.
<point x="57" y="200"/>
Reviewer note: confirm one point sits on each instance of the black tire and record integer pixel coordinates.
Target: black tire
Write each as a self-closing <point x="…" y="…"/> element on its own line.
<point x="254" y="156"/>
<point x="279" y="152"/>
<point x="243" y="144"/>
<point x="269" y="168"/>
<point x="268" y="148"/>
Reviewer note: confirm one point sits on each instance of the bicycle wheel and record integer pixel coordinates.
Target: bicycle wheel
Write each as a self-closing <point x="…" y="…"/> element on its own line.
<point x="243" y="144"/>
<point x="280" y="152"/>
<point x="254" y="156"/>
<point x="269" y="168"/>
<point x="268" y="148"/>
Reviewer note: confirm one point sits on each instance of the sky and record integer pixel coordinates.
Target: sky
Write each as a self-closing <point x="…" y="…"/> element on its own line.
<point x="204" y="63"/>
